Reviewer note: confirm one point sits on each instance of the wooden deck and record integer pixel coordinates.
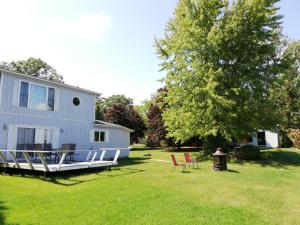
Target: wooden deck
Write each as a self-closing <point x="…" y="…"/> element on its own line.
<point x="44" y="166"/>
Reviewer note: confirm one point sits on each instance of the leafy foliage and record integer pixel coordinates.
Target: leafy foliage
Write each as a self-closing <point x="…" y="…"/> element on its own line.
<point x="248" y="152"/>
<point x="287" y="91"/>
<point x="119" y="109"/>
<point x="294" y="136"/>
<point x="156" y="130"/>
<point x="143" y="108"/>
<point x="33" y="67"/>
<point x="221" y="62"/>
<point x="105" y="104"/>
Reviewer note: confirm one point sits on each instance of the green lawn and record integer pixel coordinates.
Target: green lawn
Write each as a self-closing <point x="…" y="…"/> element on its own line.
<point x="144" y="192"/>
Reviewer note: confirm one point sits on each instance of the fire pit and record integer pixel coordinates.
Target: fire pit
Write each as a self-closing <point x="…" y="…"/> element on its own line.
<point x="219" y="162"/>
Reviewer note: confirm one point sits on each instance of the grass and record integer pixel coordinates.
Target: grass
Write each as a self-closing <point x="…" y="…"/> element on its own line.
<point x="143" y="191"/>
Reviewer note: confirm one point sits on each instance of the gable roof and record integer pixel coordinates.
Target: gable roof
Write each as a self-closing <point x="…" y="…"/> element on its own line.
<point x="100" y="123"/>
<point x="8" y="72"/>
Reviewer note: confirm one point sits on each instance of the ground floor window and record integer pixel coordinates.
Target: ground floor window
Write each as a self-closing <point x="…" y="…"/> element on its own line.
<point x="27" y="137"/>
<point x="100" y="136"/>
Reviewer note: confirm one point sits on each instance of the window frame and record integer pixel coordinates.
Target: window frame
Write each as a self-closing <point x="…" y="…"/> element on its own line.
<point x="29" y="95"/>
<point x="106" y="136"/>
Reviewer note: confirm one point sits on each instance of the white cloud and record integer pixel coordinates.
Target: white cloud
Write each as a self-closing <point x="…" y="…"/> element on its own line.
<point x="67" y="42"/>
<point x="58" y="40"/>
<point x="90" y="26"/>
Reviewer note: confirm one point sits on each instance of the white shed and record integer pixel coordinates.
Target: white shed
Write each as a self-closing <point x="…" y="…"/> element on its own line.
<point x="265" y="139"/>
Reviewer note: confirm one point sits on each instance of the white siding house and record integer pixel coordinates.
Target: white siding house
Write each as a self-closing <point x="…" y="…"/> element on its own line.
<point x="35" y="110"/>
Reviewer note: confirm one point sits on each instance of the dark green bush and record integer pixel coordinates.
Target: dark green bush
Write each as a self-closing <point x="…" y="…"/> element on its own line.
<point x="247" y="152"/>
<point x="211" y="143"/>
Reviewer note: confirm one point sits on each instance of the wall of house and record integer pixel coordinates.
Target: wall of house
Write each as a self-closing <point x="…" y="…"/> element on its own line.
<point x="64" y="110"/>
<point x="117" y="138"/>
<point x="71" y="124"/>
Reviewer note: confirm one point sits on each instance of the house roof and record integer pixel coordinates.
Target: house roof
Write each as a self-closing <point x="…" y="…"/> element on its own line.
<point x="49" y="82"/>
<point x="100" y="123"/>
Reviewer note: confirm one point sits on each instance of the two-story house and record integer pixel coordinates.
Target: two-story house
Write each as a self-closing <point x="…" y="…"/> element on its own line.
<point x="35" y="110"/>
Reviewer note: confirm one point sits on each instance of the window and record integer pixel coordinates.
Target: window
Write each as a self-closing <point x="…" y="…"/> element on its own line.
<point x="51" y="94"/>
<point x="99" y="136"/>
<point x="76" y="101"/>
<point x="96" y="136"/>
<point x="24" y="94"/>
<point x="35" y="96"/>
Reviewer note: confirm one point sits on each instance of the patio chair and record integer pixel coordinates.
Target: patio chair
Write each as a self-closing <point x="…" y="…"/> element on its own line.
<point x="69" y="148"/>
<point x="190" y="161"/>
<point x="37" y="147"/>
<point x="175" y="164"/>
<point x="19" y="155"/>
<point x="49" y="149"/>
<point x="29" y="147"/>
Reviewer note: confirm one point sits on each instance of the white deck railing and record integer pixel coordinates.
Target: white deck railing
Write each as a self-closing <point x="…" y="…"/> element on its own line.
<point x="89" y="162"/>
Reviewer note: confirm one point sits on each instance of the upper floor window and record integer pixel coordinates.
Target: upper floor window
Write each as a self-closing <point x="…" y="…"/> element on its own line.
<point x="76" y="101"/>
<point x="35" y="96"/>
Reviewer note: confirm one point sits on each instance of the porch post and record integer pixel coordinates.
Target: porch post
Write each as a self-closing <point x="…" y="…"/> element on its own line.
<point x="14" y="159"/>
<point x="62" y="160"/>
<point x="102" y="155"/>
<point x="28" y="160"/>
<point x="3" y="159"/>
<point x="43" y="161"/>
<point x="94" y="156"/>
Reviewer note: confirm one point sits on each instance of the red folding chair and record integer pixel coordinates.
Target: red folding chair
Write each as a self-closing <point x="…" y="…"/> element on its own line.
<point x="190" y="161"/>
<point x="175" y="164"/>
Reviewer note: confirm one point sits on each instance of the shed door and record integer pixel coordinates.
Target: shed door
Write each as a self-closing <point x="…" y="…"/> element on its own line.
<point x="261" y="138"/>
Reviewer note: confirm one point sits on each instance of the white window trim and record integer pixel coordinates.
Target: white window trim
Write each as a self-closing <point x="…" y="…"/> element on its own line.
<point x="106" y="137"/>
<point x="28" y="97"/>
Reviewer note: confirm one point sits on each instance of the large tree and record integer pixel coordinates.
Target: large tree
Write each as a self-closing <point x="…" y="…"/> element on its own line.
<point x="287" y="91"/>
<point x="34" y="67"/>
<point x="156" y="134"/>
<point x="221" y="60"/>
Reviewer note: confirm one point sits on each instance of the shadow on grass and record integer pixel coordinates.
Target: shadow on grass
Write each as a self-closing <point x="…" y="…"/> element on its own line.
<point x="2" y="215"/>
<point x="280" y="159"/>
<point x="70" y="177"/>
<point x="2" y="210"/>
<point x="232" y="171"/>
<point x="71" y="180"/>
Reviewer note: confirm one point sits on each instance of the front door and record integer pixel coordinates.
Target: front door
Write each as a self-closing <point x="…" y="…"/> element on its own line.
<point x="25" y="140"/>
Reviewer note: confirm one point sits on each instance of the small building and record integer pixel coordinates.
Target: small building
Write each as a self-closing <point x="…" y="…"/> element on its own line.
<point x="265" y="139"/>
<point x="35" y="110"/>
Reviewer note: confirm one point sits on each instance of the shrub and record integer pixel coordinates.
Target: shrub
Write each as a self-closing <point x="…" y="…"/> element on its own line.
<point x="294" y="135"/>
<point x="247" y="152"/>
<point x="211" y="143"/>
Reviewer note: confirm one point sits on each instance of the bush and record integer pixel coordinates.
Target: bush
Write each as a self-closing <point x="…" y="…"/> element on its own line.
<point x="211" y="143"/>
<point x="247" y="152"/>
<point x="294" y="135"/>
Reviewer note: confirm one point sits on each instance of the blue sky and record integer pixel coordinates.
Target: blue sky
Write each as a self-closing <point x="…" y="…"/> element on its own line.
<point x="102" y="45"/>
